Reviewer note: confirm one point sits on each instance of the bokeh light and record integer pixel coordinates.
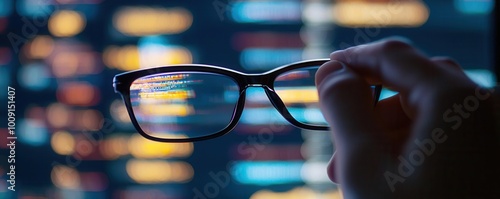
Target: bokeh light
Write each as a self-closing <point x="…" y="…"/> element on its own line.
<point x="32" y="132"/>
<point x="66" y="23"/>
<point x="78" y="94"/>
<point x="65" y="177"/>
<point x="118" y="111"/>
<point x="114" y="147"/>
<point x="158" y="171"/>
<point x="40" y="47"/>
<point x="380" y="14"/>
<point x="34" y="76"/>
<point x="296" y="193"/>
<point x="141" y="147"/>
<point x="5" y="8"/>
<point x="132" y="57"/>
<point x="141" y="21"/>
<point x="61" y="56"/>
<point x="63" y="143"/>
<point x="58" y="115"/>
<point x="34" y="8"/>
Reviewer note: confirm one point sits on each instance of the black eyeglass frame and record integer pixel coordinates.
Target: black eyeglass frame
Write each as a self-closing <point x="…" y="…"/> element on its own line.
<point x="123" y="81"/>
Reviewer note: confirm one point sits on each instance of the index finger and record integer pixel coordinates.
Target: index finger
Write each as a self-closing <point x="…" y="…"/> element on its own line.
<point x="392" y="63"/>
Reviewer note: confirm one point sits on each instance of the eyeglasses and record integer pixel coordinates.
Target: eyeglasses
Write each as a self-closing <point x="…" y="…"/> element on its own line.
<point x="184" y="103"/>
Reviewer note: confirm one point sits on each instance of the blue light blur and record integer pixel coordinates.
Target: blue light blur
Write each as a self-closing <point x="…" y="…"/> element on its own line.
<point x="261" y="116"/>
<point x="34" y="77"/>
<point x="258" y="59"/>
<point x="268" y="172"/>
<point x="32" y="132"/>
<point x="474" y="6"/>
<point x="34" y="8"/>
<point x="266" y="11"/>
<point x="5" y="8"/>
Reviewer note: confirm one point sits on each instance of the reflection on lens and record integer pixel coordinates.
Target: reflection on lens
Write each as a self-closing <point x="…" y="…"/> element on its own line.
<point x="297" y="90"/>
<point x="183" y="105"/>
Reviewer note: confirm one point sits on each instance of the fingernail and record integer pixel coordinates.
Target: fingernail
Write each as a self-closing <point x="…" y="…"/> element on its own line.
<point x="327" y="69"/>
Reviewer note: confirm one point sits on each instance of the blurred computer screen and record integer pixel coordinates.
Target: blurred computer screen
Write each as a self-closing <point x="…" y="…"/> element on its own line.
<point x="73" y="136"/>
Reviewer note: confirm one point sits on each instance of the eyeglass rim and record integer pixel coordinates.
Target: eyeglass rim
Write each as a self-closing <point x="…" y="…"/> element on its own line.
<point x="123" y="81"/>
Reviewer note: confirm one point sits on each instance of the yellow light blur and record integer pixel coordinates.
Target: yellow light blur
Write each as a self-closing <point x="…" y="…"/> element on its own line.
<point x="296" y="193"/>
<point x="166" y="109"/>
<point x="169" y="95"/>
<point x="412" y="13"/>
<point x="141" y="21"/>
<point x="129" y="58"/>
<point x="41" y="47"/>
<point x="158" y="171"/>
<point x="62" y="143"/>
<point x="141" y="147"/>
<point x="66" y="23"/>
<point x="65" y="177"/>
<point x="298" y="95"/>
<point x="170" y="55"/>
<point x="58" y="115"/>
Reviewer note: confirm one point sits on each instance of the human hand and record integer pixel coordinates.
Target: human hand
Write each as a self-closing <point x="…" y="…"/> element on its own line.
<point x="434" y="139"/>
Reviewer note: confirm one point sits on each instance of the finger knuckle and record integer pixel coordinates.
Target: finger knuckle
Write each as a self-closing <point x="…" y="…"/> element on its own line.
<point x="394" y="45"/>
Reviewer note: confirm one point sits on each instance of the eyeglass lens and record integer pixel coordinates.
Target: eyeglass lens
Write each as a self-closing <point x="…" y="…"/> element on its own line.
<point x="183" y="105"/>
<point x="297" y="90"/>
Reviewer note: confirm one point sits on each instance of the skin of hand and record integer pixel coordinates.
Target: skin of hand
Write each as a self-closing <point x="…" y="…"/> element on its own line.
<point x="435" y="139"/>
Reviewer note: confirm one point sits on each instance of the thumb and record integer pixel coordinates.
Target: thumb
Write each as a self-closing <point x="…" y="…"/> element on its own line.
<point x="347" y="105"/>
<point x="346" y="102"/>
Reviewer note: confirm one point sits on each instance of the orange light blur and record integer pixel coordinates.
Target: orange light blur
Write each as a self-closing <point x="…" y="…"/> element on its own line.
<point x="67" y="64"/>
<point x="88" y="119"/>
<point x="41" y="47"/>
<point x="84" y="147"/>
<point x="78" y="94"/>
<point x="58" y="115"/>
<point x="141" y="21"/>
<point x="114" y="147"/>
<point x="119" y="112"/>
<point x="65" y="177"/>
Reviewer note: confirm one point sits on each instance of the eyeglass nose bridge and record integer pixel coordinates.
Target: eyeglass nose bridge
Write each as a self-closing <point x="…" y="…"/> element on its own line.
<point x="257" y="80"/>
